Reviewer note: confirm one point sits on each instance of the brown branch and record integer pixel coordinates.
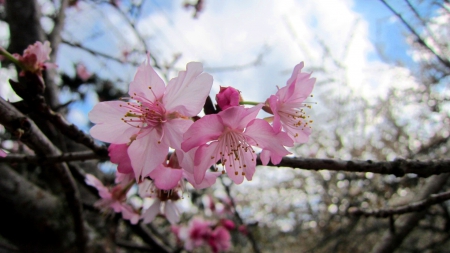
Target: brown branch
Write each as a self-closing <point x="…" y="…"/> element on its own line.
<point x="398" y="167"/>
<point x="66" y="157"/>
<point x="413" y="207"/>
<point x="38" y="104"/>
<point x="29" y="133"/>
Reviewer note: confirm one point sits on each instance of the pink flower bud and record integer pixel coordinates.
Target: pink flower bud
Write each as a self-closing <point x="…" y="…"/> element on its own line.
<point x="228" y="97"/>
<point x="228" y="224"/>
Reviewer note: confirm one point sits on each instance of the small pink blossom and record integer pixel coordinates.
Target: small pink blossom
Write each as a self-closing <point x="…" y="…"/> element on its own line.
<point x="3" y="153"/>
<point x="35" y="58"/>
<point x="287" y="106"/>
<point x="229" y="136"/>
<point x="228" y="224"/>
<point x="110" y="199"/>
<point x="163" y="202"/>
<point x="220" y="240"/>
<point x="82" y="72"/>
<point x="228" y="97"/>
<point x="156" y="116"/>
<point x="198" y="233"/>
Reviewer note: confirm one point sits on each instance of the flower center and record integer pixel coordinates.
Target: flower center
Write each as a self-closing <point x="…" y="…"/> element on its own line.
<point x="295" y="119"/>
<point x="235" y="151"/>
<point x="143" y="113"/>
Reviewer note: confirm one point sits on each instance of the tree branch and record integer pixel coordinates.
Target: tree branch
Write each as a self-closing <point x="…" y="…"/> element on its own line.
<point x="29" y="133"/>
<point x="398" y="167"/>
<point x="406" y="223"/>
<point x="413" y="207"/>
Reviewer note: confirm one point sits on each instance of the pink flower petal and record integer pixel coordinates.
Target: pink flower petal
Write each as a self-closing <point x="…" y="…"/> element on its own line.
<point x="238" y="117"/>
<point x="205" y="156"/>
<point x="143" y="162"/>
<point x="166" y="178"/>
<point x="208" y="128"/>
<point x="174" y="130"/>
<point x="187" y="93"/>
<point x="172" y="213"/>
<point x="3" y="153"/>
<point x="119" y="155"/>
<point x="152" y="211"/>
<point x="261" y="132"/>
<point x="109" y="126"/>
<point x="208" y="181"/>
<point x="273" y="102"/>
<point x="146" y="77"/>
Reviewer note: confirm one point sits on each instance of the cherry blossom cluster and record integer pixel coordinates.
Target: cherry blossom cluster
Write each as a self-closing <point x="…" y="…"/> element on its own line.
<point x="200" y="232"/>
<point x="157" y="118"/>
<point x="213" y="231"/>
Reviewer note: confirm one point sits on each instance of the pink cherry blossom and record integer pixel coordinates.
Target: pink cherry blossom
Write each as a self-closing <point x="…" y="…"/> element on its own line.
<point x="228" y="97"/>
<point x="162" y="200"/>
<point x="35" y="58"/>
<point x="197" y="233"/>
<point x="229" y="136"/>
<point x="3" y="153"/>
<point x="220" y="240"/>
<point x="287" y="106"/>
<point x="111" y="199"/>
<point x="155" y="117"/>
<point x="169" y="176"/>
<point x="228" y="224"/>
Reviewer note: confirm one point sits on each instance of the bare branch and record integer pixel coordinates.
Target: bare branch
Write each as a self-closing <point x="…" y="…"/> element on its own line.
<point x="406" y="223"/>
<point x="398" y="167"/>
<point x="29" y="133"/>
<point x="413" y="207"/>
<point x="66" y="157"/>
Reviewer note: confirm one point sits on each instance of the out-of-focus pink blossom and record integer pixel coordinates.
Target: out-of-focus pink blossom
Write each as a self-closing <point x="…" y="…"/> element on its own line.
<point x="228" y="224"/>
<point x="229" y="136"/>
<point x="228" y="97"/>
<point x="220" y="240"/>
<point x="198" y="233"/>
<point x="35" y="58"/>
<point x="156" y="116"/>
<point x="111" y="199"/>
<point x="3" y="153"/>
<point x="82" y="72"/>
